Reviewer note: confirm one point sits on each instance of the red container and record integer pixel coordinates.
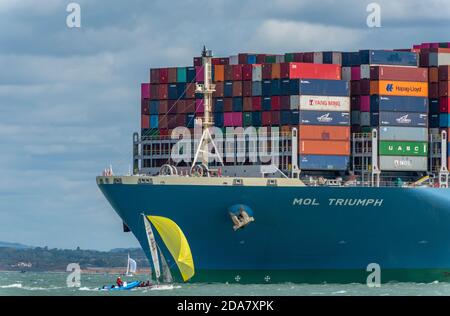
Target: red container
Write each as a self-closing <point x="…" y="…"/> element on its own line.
<point x="355" y="87"/>
<point x="356" y="73"/>
<point x="247" y="104"/>
<point x="190" y="106"/>
<point x="364" y="87"/>
<point x="172" y="75"/>
<point x="365" y="103"/>
<point x="145" y="91"/>
<point x="276" y="117"/>
<point x="181" y="120"/>
<point x="285" y="102"/>
<point x="163" y="75"/>
<point x="163" y="122"/>
<point x="256" y="104"/>
<point x="298" y="57"/>
<point x="163" y="107"/>
<point x="308" y="57"/>
<point x="198" y="61"/>
<point x="444" y="104"/>
<point x="172" y="107"/>
<point x="228" y="72"/>
<point x="172" y="121"/>
<point x="267" y="71"/>
<point x="181" y="107"/>
<point x="243" y="58"/>
<point x="228" y="105"/>
<point x="237" y="72"/>
<point x="433" y="90"/>
<point x="444" y="73"/>
<point x="398" y="73"/>
<point x="190" y="91"/>
<point x="220" y="61"/>
<point x="266" y="118"/>
<point x="310" y="71"/>
<point x="260" y="58"/>
<point x="247" y="72"/>
<point x="144" y="107"/>
<point x="247" y="88"/>
<point x="154" y="92"/>
<point x="164" y="132"/>
<point x="232" y="119"/>
<point x="276" y="103"/>
<point x="154" y="76"/>
<point x="444" y="88"/>
<point x="199" y="106"/>
<point x="199" y="74"/>
<point x="219" y="93"/>
<point x="163" y="91"/>
<point x="237" y="88"/>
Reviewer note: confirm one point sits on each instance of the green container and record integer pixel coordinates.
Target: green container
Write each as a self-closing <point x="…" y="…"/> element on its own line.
<point x="181" y="74"/>
<point x="271" y="59"/>
<point x="247" y="119"/>
<point x="289" y="57"/>
<point x="366" y="129"/>
<point x="413" y="149"/>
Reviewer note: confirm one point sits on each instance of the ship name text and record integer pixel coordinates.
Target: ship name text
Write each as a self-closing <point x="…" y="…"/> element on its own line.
<point x="339" y="202"/>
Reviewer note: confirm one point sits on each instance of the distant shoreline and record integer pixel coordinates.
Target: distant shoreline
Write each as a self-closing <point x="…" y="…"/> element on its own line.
<point x="90" y="271"/>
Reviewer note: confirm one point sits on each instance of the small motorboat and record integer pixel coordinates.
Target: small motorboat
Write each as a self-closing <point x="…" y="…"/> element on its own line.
<point x="125" y="287"/>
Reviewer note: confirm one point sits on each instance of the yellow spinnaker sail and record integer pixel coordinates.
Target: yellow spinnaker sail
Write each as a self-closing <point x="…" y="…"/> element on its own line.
<point x="174" y="239"/>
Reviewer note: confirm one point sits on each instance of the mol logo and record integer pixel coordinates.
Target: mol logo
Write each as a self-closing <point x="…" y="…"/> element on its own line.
<point x="389" y="87"/>
<point x="325" y="118"/>
<point x="403" y="120"/>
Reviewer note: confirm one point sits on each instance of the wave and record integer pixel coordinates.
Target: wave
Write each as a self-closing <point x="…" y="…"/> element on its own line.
<point x="11" y="286"/>
<point x="165" y="287"/>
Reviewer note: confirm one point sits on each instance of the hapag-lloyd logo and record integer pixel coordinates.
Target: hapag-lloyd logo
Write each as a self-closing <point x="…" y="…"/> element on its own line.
<point x="390" y="87"/>
<point x="404" y="119"/>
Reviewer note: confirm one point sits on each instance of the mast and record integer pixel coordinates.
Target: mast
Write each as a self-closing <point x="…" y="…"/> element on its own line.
<point x="207" y="89"/>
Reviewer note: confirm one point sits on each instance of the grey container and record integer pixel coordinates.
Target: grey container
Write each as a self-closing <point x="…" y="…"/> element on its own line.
<point x="256" y="88"/>
<point x="356" y="118"/>
<point x="403" y="133"/>
<point x="295" y="102"/>
<point x="365" y="118"/>
<point x="397" y="163"/>
<point x="439" y="59"/>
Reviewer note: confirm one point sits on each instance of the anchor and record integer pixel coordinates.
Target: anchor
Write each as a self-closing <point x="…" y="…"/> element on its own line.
<point x="241" y="216"/>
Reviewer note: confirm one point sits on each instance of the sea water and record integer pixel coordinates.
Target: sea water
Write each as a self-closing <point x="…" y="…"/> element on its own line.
<point x="54" y="284"/>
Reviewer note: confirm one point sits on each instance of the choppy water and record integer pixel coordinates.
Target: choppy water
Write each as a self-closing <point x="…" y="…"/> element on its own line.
<point x="12" y="283"/>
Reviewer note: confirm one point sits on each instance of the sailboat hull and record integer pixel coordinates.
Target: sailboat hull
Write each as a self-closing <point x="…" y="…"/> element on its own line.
<point x="300" y="234"/>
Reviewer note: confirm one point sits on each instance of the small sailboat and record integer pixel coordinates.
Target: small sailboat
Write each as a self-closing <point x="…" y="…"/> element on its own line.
<point x="131" y="267"/>
<point x="177" y="244"/>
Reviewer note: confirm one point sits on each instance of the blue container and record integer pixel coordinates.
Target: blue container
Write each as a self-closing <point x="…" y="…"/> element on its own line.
<point x="181" y="91"/>
<point x="218" y="119"/>
<point x="267" y="88"/>
<point x="434" y="121"/>
<point x="407" y="119"/>
<point x="351" y="59"/>
<point x="154" y="107"/>
<point x="218" y="105"/>
<point x="251" y="59"/>
<point x="320" y="87"/>
<point x="190" y="120"/>
<point x="190" y="74"/>
<point x="256" y="88"/>
<point x="324" y="118"/>
<point x="257" y="119"/>
<point x="295" y="117"/>
<point x="275" y="87"/>
<point x="285" y="118"/>
<point x="237" y="104"/>
<point x="398" y="104"/>
<point x="154" y="121"/>
<point x="444" y="120"/>
<point x="383" y="57"/>
<point x="173" y="92"/>
<point x="285" y="87"/>
<point x="228" y="89"/>
<point x="320" y="162"/>
<point x="434" y="106"/>
<point x="327" y="57"/>
<point x="267" y="104"/>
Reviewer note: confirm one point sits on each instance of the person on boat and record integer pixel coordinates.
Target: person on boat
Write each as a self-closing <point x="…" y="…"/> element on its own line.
<point x="148" y="284"/>
<point x="119" y="282"/>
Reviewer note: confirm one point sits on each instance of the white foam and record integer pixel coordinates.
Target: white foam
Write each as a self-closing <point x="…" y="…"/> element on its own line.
<point x="164" y="287"/>
<point x="10" y="286"/>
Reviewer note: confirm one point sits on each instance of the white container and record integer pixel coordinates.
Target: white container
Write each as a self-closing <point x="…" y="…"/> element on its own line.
<point x="397" y="163"/>
<point x="393" y="133"/>
<point x="324" y="103"/>
<point x="337" y="58"/>
<point x="347" y="73"/>
<point x="318" y="58"/>
<point x="439" y="59"/>
<point x="257" y="73"/>
<point x="234" y="60"/>
<point x="295" y="102"/>
<point x="279" y="59"/>
<point x="365" y="71"/>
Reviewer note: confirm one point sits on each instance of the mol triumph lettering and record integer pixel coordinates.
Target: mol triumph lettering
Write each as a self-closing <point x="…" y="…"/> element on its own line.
<point x="338" y="202"/>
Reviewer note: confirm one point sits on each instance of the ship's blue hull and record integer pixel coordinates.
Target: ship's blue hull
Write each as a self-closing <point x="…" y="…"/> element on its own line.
<point x="300" y="234"/>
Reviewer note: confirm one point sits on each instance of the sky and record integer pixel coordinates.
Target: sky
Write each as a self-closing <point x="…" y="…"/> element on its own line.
<point x="70" y="97"/>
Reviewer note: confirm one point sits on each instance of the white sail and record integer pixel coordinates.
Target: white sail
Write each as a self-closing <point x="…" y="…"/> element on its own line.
<point x="167" y="276"/>
<point x="153" y="247"/>
<point x="132" y="265"/>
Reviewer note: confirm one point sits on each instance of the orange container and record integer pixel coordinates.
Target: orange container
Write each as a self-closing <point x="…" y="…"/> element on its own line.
<point x="219" y="73"/>
<point x="276" y="71"/>
<point x="324" y="147"/>
<point x="433" y="74"/>
<point x="286" y="130"/>
<point x="399" y="88"/>
<point x="310" y="132"/>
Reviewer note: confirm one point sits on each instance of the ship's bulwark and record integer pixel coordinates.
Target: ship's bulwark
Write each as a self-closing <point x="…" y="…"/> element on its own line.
<point x="300" y="234"/>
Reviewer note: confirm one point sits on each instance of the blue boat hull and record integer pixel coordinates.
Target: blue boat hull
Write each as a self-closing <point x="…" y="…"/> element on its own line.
<point x="300" y="234"/>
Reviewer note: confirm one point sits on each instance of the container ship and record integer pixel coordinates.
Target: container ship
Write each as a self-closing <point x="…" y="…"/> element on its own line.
<point x="303" y="167"/>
